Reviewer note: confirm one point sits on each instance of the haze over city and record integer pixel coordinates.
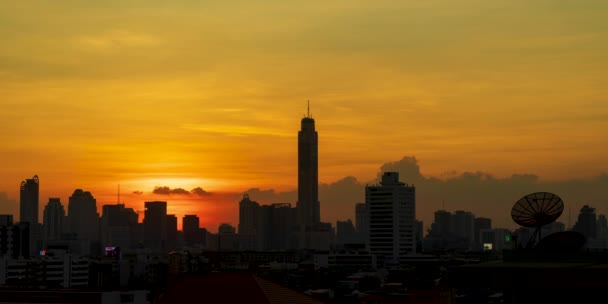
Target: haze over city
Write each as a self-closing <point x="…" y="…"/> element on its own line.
<point x="475" y="103"/>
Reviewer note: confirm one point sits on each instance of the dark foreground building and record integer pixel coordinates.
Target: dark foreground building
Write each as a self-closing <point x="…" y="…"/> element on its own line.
<point x="534" y="277"/>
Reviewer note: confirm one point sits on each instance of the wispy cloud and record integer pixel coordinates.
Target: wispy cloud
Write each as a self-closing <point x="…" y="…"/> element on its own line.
<point x="117" y="39"/>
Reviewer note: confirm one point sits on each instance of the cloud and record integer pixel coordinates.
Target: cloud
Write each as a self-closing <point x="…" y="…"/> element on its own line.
<point x="200" y="192"/>
<point x="137" y="192"/>
<point x="164" y="190"/>
<point x="117" y="39"/>
<point x="8" y="205"/>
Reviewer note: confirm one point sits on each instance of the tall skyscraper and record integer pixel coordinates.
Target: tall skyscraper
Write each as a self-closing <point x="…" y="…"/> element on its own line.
<point x="191" y="227"/>
<point x="361" y="222"/>
<point x="311" y="233"/>
<point x="119" y="226"/>
<point x="586" y="223"/>
<point x="248" y="211"/>
<point x="53" y="219"/>
<point x="83" y="218"/>
<point x="308" y="207"/>
<point x="248" y="223"/>
<point x="28" y="200"/>
<point x="155" y="226"/>
<point x="392" y="213"/>
<point x="171" y="231"/>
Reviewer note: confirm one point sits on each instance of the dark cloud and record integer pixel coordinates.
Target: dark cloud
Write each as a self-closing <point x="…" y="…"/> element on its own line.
<point x="138" y="192"/>
<point x="164" y="190"/>
<point x="7" y="205"/>
<point x="200" y="192"/>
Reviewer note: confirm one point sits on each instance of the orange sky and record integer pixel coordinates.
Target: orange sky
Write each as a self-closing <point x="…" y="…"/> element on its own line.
<point x="191" y="94"/>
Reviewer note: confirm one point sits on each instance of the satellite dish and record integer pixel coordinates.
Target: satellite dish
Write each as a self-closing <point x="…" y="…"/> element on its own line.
<point x="536" y="210"/>
<point x="564" y="241"/>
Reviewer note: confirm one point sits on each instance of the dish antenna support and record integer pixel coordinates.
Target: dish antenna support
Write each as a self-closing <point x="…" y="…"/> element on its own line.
<point x="536" y="210"/>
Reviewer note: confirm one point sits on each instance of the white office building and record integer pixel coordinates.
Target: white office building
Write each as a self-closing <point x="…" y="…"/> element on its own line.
<point x="392" y="214"/>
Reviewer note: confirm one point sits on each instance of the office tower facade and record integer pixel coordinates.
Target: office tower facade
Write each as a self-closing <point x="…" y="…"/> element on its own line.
<point x="155" y="226"/>
<point x="248" y="210"/>
<point x="53" y="220"/>
<point x="586" y="223"/>
<point x="248" y="223"/>
<point x="83" y="218"/>
<point x="227" y="239"/>
<point x="392" y="212"/>
<point x="463" y="226"/>
<point x="119" y="227"/>
<point x="481" y="223"/>
<point x="345" y="232"/>
<point x="6" y="219"/>
<point x="311" y="233"/>
<point x="191" y="227"/>
<point x="361" y="222"/>
<point x="14" y="239"/>
<point x="29" y="200"/>
<point x="171" y="231"/>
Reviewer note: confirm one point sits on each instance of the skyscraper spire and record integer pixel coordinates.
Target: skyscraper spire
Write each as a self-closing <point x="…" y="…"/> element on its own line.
<point x="308" y="109"/>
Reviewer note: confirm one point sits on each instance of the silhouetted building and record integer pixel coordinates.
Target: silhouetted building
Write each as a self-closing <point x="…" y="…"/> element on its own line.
<point x="345" y="232"/>
<point x="602" y="227"/>
<point x="311" y="233"/>
<point x="481" y="223"/>
<point x="463" y="223"/>
<point x="361" y="222"/>
<point x="248" y="223"/>
<point x="171" y="231"/>
<point x="28" y="200"/>
<point x="392" y="212"/>
<point x="83" y="219"/>
<point x="119" y="227"/>
<point x="419" y="225"/>
<point x="14" y="239"/>
<point x="155" y="226"/>
<point x="586" y="223"/>
<point x="227" y="239"/>
<point x="191" y="228"/>
<point x="6" y="219"/>
<point x="54" y="220"/>
<point x="28" y="211"/>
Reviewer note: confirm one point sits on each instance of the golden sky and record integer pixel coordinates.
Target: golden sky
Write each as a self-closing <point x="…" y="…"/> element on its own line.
<point x="210" y="94"/>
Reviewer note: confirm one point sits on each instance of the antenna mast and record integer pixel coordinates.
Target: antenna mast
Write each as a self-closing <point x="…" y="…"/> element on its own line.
<point x="118" y="194"/>
<point x="309" y="108"/>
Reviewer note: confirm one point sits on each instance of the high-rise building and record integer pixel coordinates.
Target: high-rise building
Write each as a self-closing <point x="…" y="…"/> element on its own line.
<point x="171" y="231"/>
<point x="119" y="227"/>
<point x="6" y="219"/>
<point x="227" y="240"/>
<point x="28" y="200"/>
<point x="54" y="220"/>
<point x="191" y="228"/>
<point x="83" y="219"/>
<point x="345" y="232"/>
<point x="463" y="225"/>
<point x="481" y="223"/>
<point x="248" y="223"/>
<point x="586" y="223"/>
<point x="392" y="212"/>
<point x="308" y="206"/>
<point x="248" y="210"/>
<point x="361" y="221"/>
<point x="311" y="233"/>
<point x="155" y="226"/>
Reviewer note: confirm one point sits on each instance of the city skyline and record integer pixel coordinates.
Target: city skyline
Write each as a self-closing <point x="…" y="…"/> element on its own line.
<point x="208" y="100"/>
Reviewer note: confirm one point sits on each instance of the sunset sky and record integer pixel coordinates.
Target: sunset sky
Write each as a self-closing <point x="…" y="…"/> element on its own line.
<point x="187" y="94"/>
